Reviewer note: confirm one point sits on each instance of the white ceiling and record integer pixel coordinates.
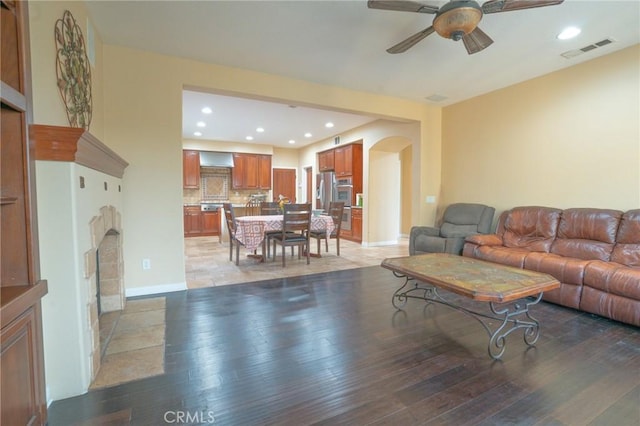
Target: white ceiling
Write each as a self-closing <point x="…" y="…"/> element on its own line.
<point x="342" y="43"/>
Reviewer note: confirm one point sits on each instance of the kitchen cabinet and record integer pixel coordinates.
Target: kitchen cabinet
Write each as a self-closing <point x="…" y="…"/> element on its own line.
<point x="356" y="225"/>
<point x="348" y="160"/>
<point x="326" y="161"/>
<point x="210" y="223"/>
<point x="22" y="395"/>
<point x="264" y="172"/>
<point x="190" y="169"/>
<point x="251" y="171"/>
<point x="199" y="224"/>
<point x="192" y="221"/>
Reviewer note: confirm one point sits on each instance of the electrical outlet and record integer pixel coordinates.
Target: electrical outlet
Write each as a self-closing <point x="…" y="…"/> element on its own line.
<point x="146" y="263"/>
<point x="430" y="199"/>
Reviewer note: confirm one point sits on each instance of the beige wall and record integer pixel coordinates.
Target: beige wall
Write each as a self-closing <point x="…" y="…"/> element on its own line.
<point x="567" y="139"/>
<point x="48" y="107"/>
<point x="143" y="124"/>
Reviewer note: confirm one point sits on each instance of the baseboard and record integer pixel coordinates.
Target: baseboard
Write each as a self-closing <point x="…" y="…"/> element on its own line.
<point x="381" y="243"/>
<point x="155" y="289"/>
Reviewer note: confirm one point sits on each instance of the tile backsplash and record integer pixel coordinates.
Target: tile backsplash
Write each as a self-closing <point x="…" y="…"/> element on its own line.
<point x="215" y="186"/>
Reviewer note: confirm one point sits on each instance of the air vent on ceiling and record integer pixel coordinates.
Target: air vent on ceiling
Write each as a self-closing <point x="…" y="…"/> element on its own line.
<point x="577" y="52"/>
<point x="436" y="98"/>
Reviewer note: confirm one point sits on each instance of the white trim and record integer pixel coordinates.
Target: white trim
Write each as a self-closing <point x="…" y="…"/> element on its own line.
<point x="381" y="243"/>
<point x="155" y="289"/>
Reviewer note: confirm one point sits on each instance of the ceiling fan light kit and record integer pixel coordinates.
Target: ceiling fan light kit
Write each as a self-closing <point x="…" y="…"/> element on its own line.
<point x="456" y="19"/>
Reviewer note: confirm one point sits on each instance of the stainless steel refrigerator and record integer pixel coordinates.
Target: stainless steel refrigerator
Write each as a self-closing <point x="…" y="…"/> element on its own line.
<point x="325" y="190"/>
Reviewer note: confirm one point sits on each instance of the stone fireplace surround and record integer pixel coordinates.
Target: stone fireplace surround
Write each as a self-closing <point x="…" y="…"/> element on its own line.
<point x="105" y="255"/>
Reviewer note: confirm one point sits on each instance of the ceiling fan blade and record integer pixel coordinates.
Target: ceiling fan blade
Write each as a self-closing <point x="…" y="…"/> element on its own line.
<point x="494" y="6"/>
<point x="476" y="41"/>
<point x="404" y="45"/>
<point x="402" y="6"/>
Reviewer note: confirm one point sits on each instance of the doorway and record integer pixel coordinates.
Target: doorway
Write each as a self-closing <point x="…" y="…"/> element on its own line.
<point x="284" y="183"/>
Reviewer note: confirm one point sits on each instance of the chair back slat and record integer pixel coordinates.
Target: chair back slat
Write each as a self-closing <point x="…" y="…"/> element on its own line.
<point x="252" y="208"/>
<point x="269" y="208"/>
<point x="297" y="217"/>
<point x="336" y="209"/>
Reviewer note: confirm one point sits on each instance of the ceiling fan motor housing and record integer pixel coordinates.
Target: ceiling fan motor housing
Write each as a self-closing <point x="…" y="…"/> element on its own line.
<point x="457" y="19"/>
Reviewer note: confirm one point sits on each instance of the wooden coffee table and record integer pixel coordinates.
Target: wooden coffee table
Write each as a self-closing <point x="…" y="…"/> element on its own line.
<point x="509" y="291"/>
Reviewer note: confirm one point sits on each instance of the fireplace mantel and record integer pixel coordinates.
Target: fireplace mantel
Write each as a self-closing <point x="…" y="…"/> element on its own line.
<point x="71" y="144"/>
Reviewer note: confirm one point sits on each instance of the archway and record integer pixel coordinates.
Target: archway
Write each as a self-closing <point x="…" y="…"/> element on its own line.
<point x="390" y="190"/>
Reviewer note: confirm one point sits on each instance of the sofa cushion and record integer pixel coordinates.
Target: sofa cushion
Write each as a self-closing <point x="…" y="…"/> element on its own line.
<point x="627" y="248"/>
<point x="613" y="291"/>
<point x="569" y="271"/>
<point x="587" y="233"/>
<point x="614" y="278"/>
<point x="503" y="255"/>
<point x="449" y="230"/>
<point x="531" y="228"/>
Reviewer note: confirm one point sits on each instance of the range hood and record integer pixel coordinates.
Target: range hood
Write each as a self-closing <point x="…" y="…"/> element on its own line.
<point x="216" y="159"/>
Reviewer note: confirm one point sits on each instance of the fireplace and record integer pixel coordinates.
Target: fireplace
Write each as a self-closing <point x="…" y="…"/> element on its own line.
<point x="79" y="199"/>
<point x="104" y="274"/>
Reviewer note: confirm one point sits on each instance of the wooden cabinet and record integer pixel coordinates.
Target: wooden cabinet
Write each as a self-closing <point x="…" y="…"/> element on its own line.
<point x="190" y="169"/>
<point x="348" y="160"/>
<point x="22" y="392"/>
<point x="251" y="171"/>
<point x="239" y="172"/>
<point x="326" y="161"/>
<point x="192" y="221"/>
<point x="210" y="223"/>
<point x="199" y="224"/>
<point x="356" y="224"/>
<point x="264" y="172"/>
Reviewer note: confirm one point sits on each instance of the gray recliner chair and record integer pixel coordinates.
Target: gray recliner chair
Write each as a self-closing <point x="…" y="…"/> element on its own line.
<point x="459" y="221"/>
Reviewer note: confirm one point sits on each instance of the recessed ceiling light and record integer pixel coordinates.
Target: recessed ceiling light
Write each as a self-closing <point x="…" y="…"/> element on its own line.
<point x="249" y="138"/>
<point x="329" y="125"/>
<point x="207" y="110"/>
<point x="259" y="130"/>
<point x="569" y="32"/>
<point x="291" y="141"/>
<point x="197" y="134"/>
<point x="307" y="135"/>
<point x="201" y="124"/>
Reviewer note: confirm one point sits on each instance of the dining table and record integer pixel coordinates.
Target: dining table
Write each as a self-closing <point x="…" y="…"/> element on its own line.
<point x="250" y="230"/>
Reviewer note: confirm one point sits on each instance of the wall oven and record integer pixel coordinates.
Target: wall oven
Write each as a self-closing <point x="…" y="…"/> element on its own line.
<point x="344" y="191"/>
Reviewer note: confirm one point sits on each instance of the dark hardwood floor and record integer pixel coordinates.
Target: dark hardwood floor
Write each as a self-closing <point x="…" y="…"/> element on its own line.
<point x="330" y="349"/>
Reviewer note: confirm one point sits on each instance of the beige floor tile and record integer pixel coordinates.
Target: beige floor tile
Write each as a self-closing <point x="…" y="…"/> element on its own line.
<point x="127" y="366"/>
<point x="137" y="320"/>
<point x="207" y="262"/>
<point x="140" y="305"/>
<point x="136" y="339"/>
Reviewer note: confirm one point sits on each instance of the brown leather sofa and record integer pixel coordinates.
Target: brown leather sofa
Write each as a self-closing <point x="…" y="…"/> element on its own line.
<point x="594" y="253"/>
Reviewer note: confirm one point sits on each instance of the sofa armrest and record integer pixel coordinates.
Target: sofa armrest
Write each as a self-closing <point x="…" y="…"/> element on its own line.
<point x="484" y="240"/>
<point x="417" y="231"/>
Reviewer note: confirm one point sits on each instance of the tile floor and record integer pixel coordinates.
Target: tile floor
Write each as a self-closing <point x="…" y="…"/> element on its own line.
<point x="135" y="348"/>
<point x="135" y="337"/>
<point x="208" y="265"/>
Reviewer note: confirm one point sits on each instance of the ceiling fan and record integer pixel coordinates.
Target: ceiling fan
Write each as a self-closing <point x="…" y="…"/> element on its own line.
<point x="456" y="20"/>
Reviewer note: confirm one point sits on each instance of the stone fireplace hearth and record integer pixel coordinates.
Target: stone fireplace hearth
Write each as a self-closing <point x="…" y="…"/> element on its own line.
<point x="105" y="255"/>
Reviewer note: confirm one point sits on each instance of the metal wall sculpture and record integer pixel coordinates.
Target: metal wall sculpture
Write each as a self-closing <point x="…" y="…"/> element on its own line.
<point x="73" y="71"/>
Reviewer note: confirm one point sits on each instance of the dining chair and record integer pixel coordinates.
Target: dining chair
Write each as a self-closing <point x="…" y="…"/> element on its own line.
<point x="230" y="218"/>
<point x="252" y="208"/>
<point x="336" y="208"/>
<point x="269" y="208"/>
<point x="296" y="224"/>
